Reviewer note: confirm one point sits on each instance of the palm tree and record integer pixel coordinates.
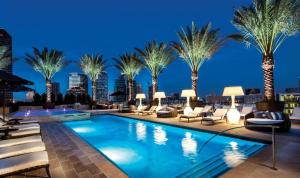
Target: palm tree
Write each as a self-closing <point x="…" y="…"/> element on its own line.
<point x="156" y="58"/>
<point x="196" y="46"/>
<point x="129" y="65"/>
<point x="4" y="57"/>
<point x="92" y="66"/>
<point x="47" y="63"/>
<point x="266" y="25"/>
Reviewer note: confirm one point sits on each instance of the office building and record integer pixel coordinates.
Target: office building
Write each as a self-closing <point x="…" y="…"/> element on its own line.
<point x="291" y="100"/>
<point x="102" y="88"/>
<point x="78" y="83"/>
<point x="55" y="89"/>
<point x="120" y="87"/>
<point x="6" y="45"/>
<point x="252" y="96"/>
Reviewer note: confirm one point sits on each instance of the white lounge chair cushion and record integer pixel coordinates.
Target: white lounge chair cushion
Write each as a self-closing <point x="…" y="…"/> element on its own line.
<point x="24" y="132"/>
<point x="213" y="118"/>
<point x="17" y="141"/>
<point x="26" y="126"/>
<point x="21" y="149"/>
<point x="264" y="121"/>
<point x="163" y="112"/>
<point x="27" y="121"/>
<point x="26" y="161"/>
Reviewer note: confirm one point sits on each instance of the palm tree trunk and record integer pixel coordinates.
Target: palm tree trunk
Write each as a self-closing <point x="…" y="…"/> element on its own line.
<point x="93" y="91"/>
<point x="194" y="82"/>
<point x="154" y="86"/>
<point x="268" y="70"/>
<point x="130" y="87"/>
<point x="48" y="90"/>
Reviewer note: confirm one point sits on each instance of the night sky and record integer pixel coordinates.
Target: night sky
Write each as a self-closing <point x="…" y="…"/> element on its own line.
<point x="113" y="27"/>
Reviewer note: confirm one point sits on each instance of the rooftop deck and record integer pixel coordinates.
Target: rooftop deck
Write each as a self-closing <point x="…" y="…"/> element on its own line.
<point x="71" y="157"/>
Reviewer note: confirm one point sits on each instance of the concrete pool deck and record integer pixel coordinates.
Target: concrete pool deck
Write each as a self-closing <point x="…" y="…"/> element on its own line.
<point x="71" y="157"/>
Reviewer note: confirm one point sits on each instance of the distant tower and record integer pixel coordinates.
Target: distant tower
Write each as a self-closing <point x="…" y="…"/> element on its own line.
<point x="55" y="89"/>
<point x="6" y="43"/>
<point x="78" y="83"/>
<point x="120" y="86"/>
<point x="102" y="88"/>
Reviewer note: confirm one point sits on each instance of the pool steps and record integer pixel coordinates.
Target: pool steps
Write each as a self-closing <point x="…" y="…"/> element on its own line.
<point x="216" y="165"/>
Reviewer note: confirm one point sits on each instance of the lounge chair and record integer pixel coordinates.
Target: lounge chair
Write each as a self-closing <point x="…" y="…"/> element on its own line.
<point x="218" y="115"/>
<point x="20" y="126"/>
<point x="206" y="110"/>
<point x="246" y="111"/>
<point x="269" y="118"/>
<point x="20" y="149"/>
<point x="24" y="163"/>
<point x="167" y="112"/>
<point x="296" y="114"/>
<point x="194" y="114"/>
<point x="136" y="111"/>
<point x="17" y="141"/>
<point x="150" y="111"/>
<point x="19" y="120"/>
<point x="16" y="133"/>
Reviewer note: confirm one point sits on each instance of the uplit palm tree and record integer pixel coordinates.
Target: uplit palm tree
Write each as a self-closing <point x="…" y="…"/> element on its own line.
<point x="196" y="46"/>
<point x="47" y="63"/>
<point x="129" y="66"/>
<point x="92" y="66"/>
<point x="4" y="57"/>
<point x="156" y="58"/>
<point x="266" y="25"/>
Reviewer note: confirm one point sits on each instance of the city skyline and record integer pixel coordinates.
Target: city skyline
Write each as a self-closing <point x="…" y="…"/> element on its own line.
<point x="99" y="35"/>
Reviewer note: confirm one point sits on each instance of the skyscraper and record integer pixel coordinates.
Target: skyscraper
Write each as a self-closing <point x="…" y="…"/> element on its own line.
<point x="6" y="45"/>
<point x="78" y="83"/>
<point x="55" y="89"/>
<point x="102" y="88"/>
<point x="120" y="86"/>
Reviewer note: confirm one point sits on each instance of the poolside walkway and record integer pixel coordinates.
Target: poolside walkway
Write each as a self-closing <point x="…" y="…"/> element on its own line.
<point x="258" y="166"/>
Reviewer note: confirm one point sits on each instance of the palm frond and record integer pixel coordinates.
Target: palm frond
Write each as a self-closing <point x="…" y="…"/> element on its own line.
<point x="156" y="57"/>
<point x="267" y="23"/>
<point x="92" y="66"/>
<point x="4" y="57"/>
<point x="197" y="45"/>
<point x="129" y="65"/>
<point x="46" y="62"/>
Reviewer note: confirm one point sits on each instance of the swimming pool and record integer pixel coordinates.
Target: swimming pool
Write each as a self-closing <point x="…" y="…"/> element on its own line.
<point x="146" y="149"/>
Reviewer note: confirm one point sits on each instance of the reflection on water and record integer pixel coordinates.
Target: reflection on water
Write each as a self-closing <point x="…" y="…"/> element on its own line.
<point x="130" y="127"/>
<point x="140" y="131"/>
<point x="233" y="156"/>
<point x="160" y="136"/>
<point x="189" y="146"/>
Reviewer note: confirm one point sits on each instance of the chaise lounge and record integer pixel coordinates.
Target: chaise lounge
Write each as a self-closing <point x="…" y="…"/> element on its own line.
<point x="24" y="163"/>
<point x="218" y="115"/>
<point x="196" y="113"/>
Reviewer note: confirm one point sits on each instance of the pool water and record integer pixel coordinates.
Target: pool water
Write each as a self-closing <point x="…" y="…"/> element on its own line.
<point x="146" y="149"/>
<point x="44" y="112"/>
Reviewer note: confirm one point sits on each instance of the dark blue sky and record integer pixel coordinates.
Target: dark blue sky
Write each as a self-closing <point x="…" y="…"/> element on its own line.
<point x="113" y="27"/>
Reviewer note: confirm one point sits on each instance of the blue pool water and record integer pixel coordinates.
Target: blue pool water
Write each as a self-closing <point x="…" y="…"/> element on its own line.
<point x="146" y="149"/>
